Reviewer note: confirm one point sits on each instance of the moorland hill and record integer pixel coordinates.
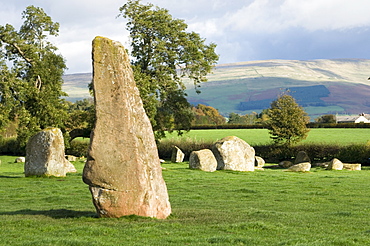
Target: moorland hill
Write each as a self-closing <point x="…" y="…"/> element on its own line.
<point x="320" y="86"/>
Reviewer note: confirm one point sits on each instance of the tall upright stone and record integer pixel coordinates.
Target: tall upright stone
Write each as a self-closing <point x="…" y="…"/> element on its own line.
<point x="45" y="155"/>
<point x="177" y="155"/>
<point x="123" y="168"/>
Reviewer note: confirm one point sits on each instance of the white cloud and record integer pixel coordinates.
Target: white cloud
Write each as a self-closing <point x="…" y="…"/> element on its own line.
<point x="242" y="29"/>
<point x="278" y="15"/>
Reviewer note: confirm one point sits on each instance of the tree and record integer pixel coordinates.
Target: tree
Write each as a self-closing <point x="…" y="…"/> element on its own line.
<point x="81" y="118"/>
<point x="163" y="54"/>
<point x="31" y="75"/>
<point x="235" y="118"/>
<point x="287" y="121"/>
<point x="248" y="119"/>
<point x="207" y="115"/>
<point x="328" y="118"/>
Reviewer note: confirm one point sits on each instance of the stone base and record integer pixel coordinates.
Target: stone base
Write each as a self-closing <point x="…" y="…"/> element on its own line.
<point x="115" y="204"/>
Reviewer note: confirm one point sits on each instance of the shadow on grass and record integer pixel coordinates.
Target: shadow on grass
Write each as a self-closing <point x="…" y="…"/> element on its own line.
<point x="10" y="177"/>
<point x="54" y="213"/>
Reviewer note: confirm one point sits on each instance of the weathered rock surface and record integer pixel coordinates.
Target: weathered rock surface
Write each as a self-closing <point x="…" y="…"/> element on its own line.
<point x="233" y="153"/>
<point x="177" y="155"/>
<point x="352" y="167"/>
<point x="335" y="164"/>
<point x="285" y="164"/>
<point x="302" y="157"/>
<point x="203" y="159"/>
<point x="301" y="167"/>
<point x="45" y="155"/>
<point x="123" y="168"/>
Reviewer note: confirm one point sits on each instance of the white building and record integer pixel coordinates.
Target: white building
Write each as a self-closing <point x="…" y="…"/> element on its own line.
<point x="361" y="118"/>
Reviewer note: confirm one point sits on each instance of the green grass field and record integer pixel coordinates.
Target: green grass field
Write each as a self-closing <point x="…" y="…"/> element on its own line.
<point x="270" y="207"/>
<point x="343" y="136"/>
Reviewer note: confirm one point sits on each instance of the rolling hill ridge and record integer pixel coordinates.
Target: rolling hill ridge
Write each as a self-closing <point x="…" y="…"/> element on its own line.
<point x="320" y="86"/>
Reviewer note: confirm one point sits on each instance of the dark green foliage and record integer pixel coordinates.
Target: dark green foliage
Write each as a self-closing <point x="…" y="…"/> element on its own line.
<point x="163" y="53"/>
<point x="165" y="146"/>
<point x="338" y="125"/>
<point x="287" y="121"/>
<point x="318" y="153"/>
<point x="31" y="75"/>
<point x="10" y="146"/>
<point x="328" y="118"/>
<point x="81" y="118"/>
<point x="78" y="148"/>
<point x="237" y="119"/>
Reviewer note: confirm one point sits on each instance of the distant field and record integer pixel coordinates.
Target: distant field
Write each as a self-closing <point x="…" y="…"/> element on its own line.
<point x="341" y="136"/>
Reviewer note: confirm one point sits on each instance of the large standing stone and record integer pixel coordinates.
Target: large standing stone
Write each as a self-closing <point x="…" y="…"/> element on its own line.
<point x="45" y="155"/>
<point x="122" y="168"/>
<point x="233" y="153"/>
<point x="203" y="160"/>
<point x="177" y="155"/>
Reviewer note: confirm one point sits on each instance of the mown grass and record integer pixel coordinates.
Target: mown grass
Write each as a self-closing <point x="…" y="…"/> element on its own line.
<point x="270" y="207"/>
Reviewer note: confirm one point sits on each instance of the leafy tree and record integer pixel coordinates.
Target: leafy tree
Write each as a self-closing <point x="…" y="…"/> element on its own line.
<point x="163" y="54"/>
<point x="248" y="119"/>
<point x="263" y="117"/>
<point x="207" y="115"/>
<point x="81" y="118"/>
<point x="328" y="118"/>
<point x="235" y="118"/>
<point x="287" y="121"/>
<point x="31" y="75"/>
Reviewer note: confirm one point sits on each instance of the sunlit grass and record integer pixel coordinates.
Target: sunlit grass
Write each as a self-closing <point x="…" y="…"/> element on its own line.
<point x="343" y="136"/>
<point x="270" y="207"/>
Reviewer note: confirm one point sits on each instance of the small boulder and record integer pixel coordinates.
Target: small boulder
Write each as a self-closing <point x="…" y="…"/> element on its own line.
<point x="177" y="155"/>
<point x="71" y="158"/>
<point x="233" y="153"/>
<point x="259" y="161"/>
<point x="302" y="157"/>
<point x="285" y="164"/>
<point x="301" y="167"/>
<point x="20" y="160"/>
<point x="335" y="164"/>
<point x="352" y="167"/>
<point x="203" y="160"/>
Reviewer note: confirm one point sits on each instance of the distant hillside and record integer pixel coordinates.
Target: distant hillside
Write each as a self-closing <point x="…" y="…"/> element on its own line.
<point x="321" y="86"/>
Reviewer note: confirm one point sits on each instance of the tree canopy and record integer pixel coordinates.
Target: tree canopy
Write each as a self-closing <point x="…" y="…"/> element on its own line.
<point x="31" y="75"/>
<point x="328" y="118"/>
<point x="204" y="114"/>
<point x="163" y="54"/>
<point x="287" y="121"/>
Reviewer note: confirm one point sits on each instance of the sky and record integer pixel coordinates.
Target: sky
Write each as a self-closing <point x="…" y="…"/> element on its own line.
<point x="244" y="30"/>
